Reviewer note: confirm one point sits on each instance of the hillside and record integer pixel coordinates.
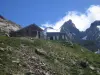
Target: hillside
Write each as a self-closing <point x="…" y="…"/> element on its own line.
<point x="29" y="56"/>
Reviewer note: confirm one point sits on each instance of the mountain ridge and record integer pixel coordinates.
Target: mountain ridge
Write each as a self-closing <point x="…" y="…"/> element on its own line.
<point x="91" y="34"/>
<point x="7" y="26"/>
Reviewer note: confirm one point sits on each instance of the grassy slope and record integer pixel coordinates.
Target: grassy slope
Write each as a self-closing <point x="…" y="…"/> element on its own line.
<point x="19" y="56"/>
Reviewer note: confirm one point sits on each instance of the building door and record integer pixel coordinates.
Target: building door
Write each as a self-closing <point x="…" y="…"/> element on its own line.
<point x="51" y="38"/>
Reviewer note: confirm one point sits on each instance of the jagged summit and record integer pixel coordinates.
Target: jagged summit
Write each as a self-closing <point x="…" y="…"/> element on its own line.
<point x="71" y="31"/>
<point x="70" y="26"/>
<point x="69" y="23"/>
<point x="95" y="23"/>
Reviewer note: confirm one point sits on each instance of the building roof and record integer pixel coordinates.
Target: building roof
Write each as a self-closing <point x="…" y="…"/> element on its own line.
<point x="31" y="27"/>
<point x="34" y="27"/>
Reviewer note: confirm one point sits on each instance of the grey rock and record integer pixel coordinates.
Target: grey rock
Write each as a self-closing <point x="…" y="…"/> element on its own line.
<point x="2" y="49"/>
<point x="40" y="52"/>
<point x="91" y="67"/>
<point x="7" y="26"/>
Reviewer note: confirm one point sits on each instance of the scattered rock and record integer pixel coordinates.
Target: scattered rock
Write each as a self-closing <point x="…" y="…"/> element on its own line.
<point x="47" y="74"/>
<point x="9" y="74"/>
<point x="56" y="61"/>
<point x="1" y="64"/>
<point x="83" y="64"/>
<point x="29" y="73"/>
<point x="2" y="43"/>
<point x="16" y="61"/>
<point x="33" y="58"/>
<point x="91" y="67"/>
<point x="6" y="34"/>
<point x="9" y="48"/>
<point x="40" y="52"/>
<point x="73" y="62"/>
<point x="22" y="45"/>
<point x="98" y="70"/>
<point x="41" y="72"/>
<point x="2" y="49"/>
<point x="82" y="50"/>
<point x="24" y="65"/>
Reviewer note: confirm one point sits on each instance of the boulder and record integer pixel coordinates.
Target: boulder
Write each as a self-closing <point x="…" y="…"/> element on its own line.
<point x="40" y="52"/>
<point x="83" y="64"/>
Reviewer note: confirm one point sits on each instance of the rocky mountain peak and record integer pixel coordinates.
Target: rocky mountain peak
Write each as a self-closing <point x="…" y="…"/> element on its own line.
<point x="95" y="23"/>
<point x="95" y="27"/>
<point x="71" y="31"/>
<point x="69" y="23"/>
<point x="69" y="26"/>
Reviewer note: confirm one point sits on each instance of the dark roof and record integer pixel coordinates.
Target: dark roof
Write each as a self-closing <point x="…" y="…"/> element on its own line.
<point x="34" y="27"/>
<point x="31" y="26"/>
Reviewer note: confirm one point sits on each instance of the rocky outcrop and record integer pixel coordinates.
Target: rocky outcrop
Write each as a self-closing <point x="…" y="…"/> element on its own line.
<point x="92" y="35"/>
<point x="7" y="25"/>
<point x="71" y="31"/>
<point x="89" y="39"/>
<point x="95" y="23"/>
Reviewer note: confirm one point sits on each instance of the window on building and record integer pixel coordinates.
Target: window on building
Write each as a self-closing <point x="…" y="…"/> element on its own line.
<point x="63" y="37"/>
<point x="53" y="37"/>
<point x="57" y="37"/>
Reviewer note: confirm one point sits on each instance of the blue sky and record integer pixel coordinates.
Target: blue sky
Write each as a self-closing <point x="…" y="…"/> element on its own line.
<point x="25" y="12"/>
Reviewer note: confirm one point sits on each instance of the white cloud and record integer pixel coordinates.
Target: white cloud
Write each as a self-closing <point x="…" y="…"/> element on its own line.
<point x="82" y="21"/>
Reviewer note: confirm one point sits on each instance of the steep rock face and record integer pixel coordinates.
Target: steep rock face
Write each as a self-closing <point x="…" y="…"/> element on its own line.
<point x="95" y="23"/>
<point x="71" y="31"/>
<point x="93" y="34"/>
<point x="89" y="39"/>
<point x="7" y="25"/>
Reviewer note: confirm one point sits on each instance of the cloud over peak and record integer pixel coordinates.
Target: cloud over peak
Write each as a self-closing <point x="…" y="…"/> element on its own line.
<point x="82" y="21"/>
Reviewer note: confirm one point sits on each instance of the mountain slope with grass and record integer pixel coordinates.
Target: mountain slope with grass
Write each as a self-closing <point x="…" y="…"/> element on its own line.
<point x="29" y="56"/>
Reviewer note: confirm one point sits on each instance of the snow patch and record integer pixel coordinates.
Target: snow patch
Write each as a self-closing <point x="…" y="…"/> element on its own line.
<point x="98" y="27"/>
<point x="84" y="38"/>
